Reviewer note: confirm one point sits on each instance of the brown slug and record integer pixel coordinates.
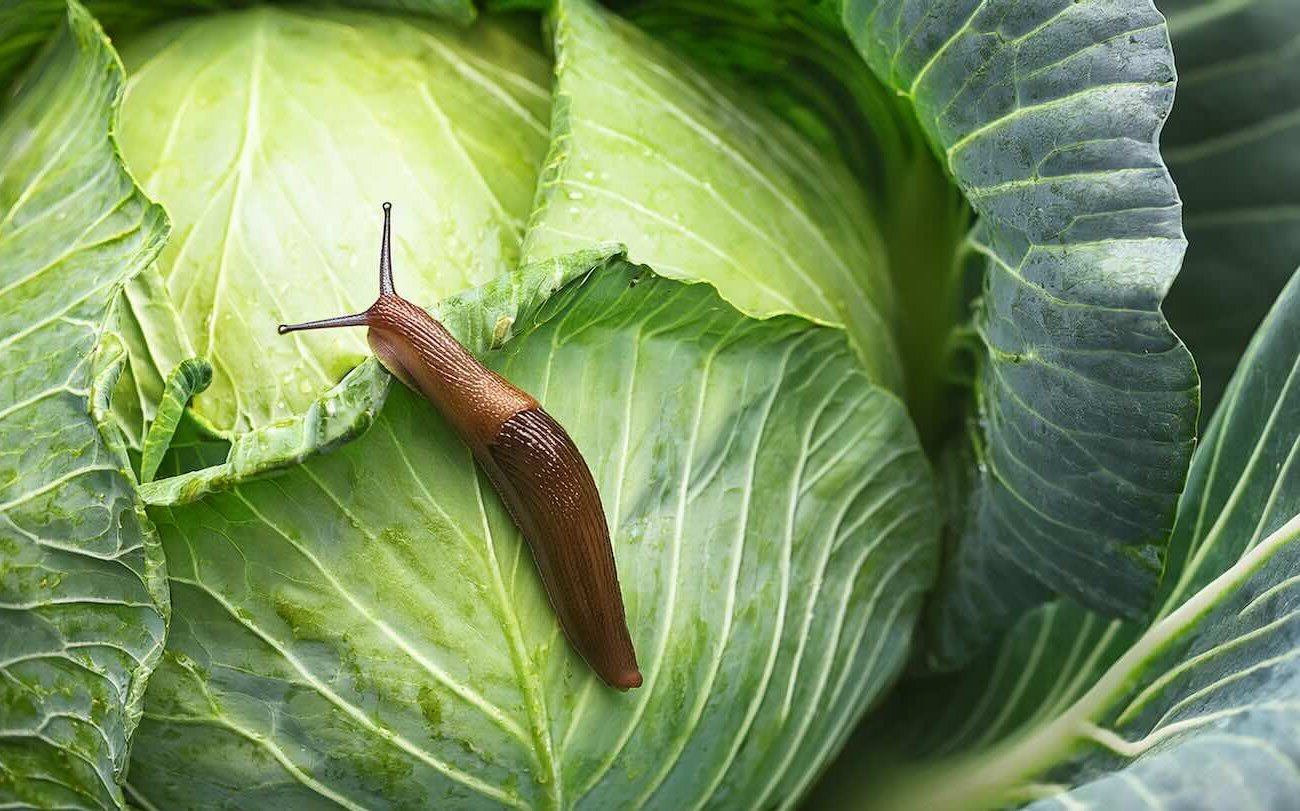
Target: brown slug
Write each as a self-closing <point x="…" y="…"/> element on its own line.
<point x="529" y="458"/>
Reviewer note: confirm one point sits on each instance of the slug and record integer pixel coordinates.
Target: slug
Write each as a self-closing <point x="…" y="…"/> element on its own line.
<point x="529" y="458"/>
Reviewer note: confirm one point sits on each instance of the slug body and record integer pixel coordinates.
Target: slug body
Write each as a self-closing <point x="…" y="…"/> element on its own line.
<point x="530" y="460"/>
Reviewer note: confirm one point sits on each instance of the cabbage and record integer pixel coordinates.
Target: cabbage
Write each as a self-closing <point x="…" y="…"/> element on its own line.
<point x="854" y="313"/>
<point x="458" y="688"/>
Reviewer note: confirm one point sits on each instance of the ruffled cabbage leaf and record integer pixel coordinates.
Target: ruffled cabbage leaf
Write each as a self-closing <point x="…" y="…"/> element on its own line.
<point x="1047" y="115"/>
<point x="83" y="594"/>
<point x="1223" y="138"/>
<point x="1196" y="708"/>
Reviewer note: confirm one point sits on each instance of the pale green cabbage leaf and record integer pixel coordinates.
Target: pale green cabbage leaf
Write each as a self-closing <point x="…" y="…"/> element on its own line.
<point x="449" y="126"/>
<point x="650" y="153"/>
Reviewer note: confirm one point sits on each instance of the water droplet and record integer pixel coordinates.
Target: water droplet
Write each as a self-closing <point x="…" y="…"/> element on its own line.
<point x="575" y="195"/>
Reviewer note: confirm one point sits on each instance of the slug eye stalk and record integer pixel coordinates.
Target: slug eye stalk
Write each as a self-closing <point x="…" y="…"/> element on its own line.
<point x="360" y="319"/>
<point x="530" y="459"/>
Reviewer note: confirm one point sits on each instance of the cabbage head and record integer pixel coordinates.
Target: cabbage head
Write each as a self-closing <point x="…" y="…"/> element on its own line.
<point x="853" y="310"/>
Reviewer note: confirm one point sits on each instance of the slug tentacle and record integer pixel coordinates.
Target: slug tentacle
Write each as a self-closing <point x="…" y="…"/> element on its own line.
<point x="386" y="255"/>
<point x="361" y="319"/>
<point x="530" y="459"/>
<point x="364" y="318"/>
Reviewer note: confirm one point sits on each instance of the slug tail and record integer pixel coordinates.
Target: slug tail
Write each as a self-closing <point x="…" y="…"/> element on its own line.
<point x="550" y="493"/>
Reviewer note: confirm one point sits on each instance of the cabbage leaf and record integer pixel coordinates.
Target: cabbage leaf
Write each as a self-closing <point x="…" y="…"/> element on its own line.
<point x="367" y="627"/>
<point x="264" y="237"/>
<point x="83" y="594"/>
<point x="1047" y="116"/>
<point x="648" y="152"/>
<point x="1195" y="708"/>
<point x="1231" y="145"/>
<point x="796" y="60"/>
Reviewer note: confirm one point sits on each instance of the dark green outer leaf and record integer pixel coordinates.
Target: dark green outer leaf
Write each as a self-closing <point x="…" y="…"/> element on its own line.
<point x="1212" y="722"/>
<point x="1047" y="116"/>
<point x="1230" y="146"/>
<point x="1233" y="145"/>
<point x="83" y="597"/>
<point x="1200" y="711"/>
